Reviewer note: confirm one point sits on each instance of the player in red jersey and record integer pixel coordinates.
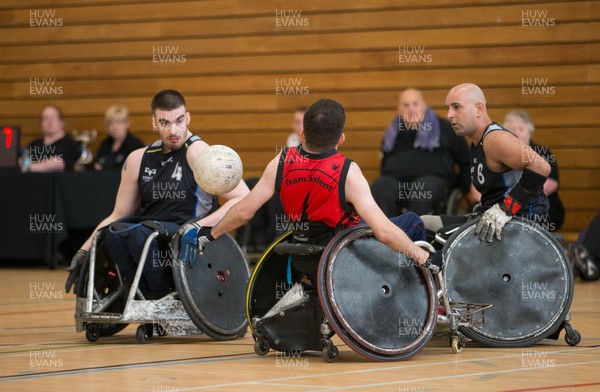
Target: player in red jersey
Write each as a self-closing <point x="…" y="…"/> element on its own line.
<point x="322" y="191"/>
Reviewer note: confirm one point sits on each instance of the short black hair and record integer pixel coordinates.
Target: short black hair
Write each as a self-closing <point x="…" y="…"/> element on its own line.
<point x="323" y="124"/>
<point x="167" y="100"/>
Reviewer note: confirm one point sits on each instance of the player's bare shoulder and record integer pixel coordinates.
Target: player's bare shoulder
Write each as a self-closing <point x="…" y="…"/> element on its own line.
<point x="354" y="172"/>
<point x="194" y="149"/>
<point x="134" y="160"/>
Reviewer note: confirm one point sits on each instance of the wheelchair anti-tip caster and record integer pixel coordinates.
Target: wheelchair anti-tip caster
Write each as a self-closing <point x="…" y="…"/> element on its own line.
<point x="572" y="336"/>
<point x="261" y="346"/>
<point x="144" y="332"/>
<point x="457" y="343"/>
<point x="330" y="352"/>
<point x="92" y="333"/>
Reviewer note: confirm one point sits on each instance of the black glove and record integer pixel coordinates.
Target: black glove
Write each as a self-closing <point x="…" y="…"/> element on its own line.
<point x="435" y="261"/>
<point x="74" y="269"/>
<point x="204" y="237"/>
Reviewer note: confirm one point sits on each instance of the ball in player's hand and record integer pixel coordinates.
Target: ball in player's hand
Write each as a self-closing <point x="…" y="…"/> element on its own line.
<point x="218" y="170"/>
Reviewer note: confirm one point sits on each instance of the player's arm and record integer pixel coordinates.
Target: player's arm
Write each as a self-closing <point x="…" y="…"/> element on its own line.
<point x="502" y="150"/>
<point x="125" y="204"/>
<point x="243" y="211"/>
<point x="128" y="197"/>
<point x="231" y="198"/>
<point x="359" y="195"/>
<point x="508" y="150"/>
<point x="505" y="149"/>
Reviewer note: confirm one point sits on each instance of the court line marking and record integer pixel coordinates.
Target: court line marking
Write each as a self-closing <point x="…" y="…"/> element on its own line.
<point x="552" y="387"/>
<point x="185" y="361"/>
<point x="27" y="353"/>
<point x="100" y="346"/>
<point x="139" y="365"/>
<point x="462" y="375"/>
<point x="374" y="370"/>
<point x="323" y="387"/>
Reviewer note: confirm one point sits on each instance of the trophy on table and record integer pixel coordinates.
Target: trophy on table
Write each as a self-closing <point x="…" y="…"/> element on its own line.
<point x="86" y="138"/>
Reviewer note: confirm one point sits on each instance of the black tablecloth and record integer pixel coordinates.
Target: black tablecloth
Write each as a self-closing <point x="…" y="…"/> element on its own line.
<point x="39" y="211"/>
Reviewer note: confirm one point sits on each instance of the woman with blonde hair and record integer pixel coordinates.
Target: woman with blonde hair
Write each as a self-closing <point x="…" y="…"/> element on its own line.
<point x="119" y="143"/>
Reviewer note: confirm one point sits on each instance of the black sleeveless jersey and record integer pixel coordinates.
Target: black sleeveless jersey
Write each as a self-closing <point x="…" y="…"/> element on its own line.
<point x="168" y="190"/>
<point x="495" y="186"/>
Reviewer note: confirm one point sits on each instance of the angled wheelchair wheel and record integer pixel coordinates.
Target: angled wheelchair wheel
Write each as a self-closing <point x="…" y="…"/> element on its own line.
<point x="212" y="289"/>
<point x="525" y="277"/>
<point x="379" y="302"/>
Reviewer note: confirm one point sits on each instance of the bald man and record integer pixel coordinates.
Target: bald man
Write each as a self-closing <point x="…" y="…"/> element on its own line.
<point x="420" y="151"/>
<point x="509" y="175"/>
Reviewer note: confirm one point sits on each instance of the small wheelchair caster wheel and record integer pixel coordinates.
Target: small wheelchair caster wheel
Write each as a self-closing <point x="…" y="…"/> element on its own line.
<point x="141" y="334"/>
<point x="330" y="354"/>
<point x="457" y="344"/>
<point x="573" y="337"/>
<point x="92" y="333"/>
<point x="261" y="347"/>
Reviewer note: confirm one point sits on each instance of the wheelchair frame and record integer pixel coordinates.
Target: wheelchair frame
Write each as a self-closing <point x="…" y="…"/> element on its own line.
<point x="168" y="316"/>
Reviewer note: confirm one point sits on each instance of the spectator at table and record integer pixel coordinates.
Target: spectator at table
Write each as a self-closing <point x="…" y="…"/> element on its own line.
<point x="119" y="143"/>
<point x="55" y="151"/>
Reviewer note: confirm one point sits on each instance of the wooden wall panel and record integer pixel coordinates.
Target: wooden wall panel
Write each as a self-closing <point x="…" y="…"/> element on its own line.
<point x="350" y="51"/>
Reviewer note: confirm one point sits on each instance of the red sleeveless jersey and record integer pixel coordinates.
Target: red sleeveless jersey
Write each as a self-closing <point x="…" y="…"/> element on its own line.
<point x="312" y="187"/>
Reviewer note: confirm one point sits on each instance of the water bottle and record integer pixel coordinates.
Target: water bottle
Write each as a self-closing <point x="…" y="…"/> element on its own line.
<point x="26" y="161"/>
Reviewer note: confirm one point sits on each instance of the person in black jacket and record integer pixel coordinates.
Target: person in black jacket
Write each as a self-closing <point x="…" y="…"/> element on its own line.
<point x="120" y="143"/>
<point x="519" y="123"/>
<point x="420" y="151"/>
<point x="55" y="151"/>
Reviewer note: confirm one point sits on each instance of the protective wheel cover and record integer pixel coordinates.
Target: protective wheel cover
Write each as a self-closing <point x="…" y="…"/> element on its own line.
<point x="380" y="303"/>
<point x="525" y="276"/>
<point x="269" y="274"/>
<point x="106" y="282"/>
<point x="212" y="288"/>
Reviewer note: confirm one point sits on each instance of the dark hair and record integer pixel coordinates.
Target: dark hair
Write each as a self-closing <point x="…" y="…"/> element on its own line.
<point x="53" y="106"/>
<point x="323" y="124"/>
<point x="167" y="100"/>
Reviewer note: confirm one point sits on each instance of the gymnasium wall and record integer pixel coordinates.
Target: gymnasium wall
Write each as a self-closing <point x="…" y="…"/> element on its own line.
<point x="245" y="65"/>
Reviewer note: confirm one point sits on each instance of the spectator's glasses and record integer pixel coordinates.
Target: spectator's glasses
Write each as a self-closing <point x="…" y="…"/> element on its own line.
<point x="164" y="124"/>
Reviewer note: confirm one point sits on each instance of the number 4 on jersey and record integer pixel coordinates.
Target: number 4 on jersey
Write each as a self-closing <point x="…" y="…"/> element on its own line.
<point x="177" y="173"/>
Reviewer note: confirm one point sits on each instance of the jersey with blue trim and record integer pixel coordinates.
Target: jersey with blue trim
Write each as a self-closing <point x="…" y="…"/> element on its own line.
<point x="494" y="186"/>
<point x="168" y="190"/>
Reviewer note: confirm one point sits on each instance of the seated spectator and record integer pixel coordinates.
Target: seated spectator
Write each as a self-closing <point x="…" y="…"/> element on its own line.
<point x="420" y="151"/>
<point x="119" y="142"/>
<point x="519" y="123"/>
<point x="294" y="139"/>
<point x="55" y="151"/>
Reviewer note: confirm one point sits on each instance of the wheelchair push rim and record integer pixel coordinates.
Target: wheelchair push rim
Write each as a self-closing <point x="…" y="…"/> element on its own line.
<point x="378" y="289"/>
<point x="525" y="276"/>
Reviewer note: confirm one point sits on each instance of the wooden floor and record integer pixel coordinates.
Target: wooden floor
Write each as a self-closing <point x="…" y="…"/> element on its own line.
<point x="40" y="351"/>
